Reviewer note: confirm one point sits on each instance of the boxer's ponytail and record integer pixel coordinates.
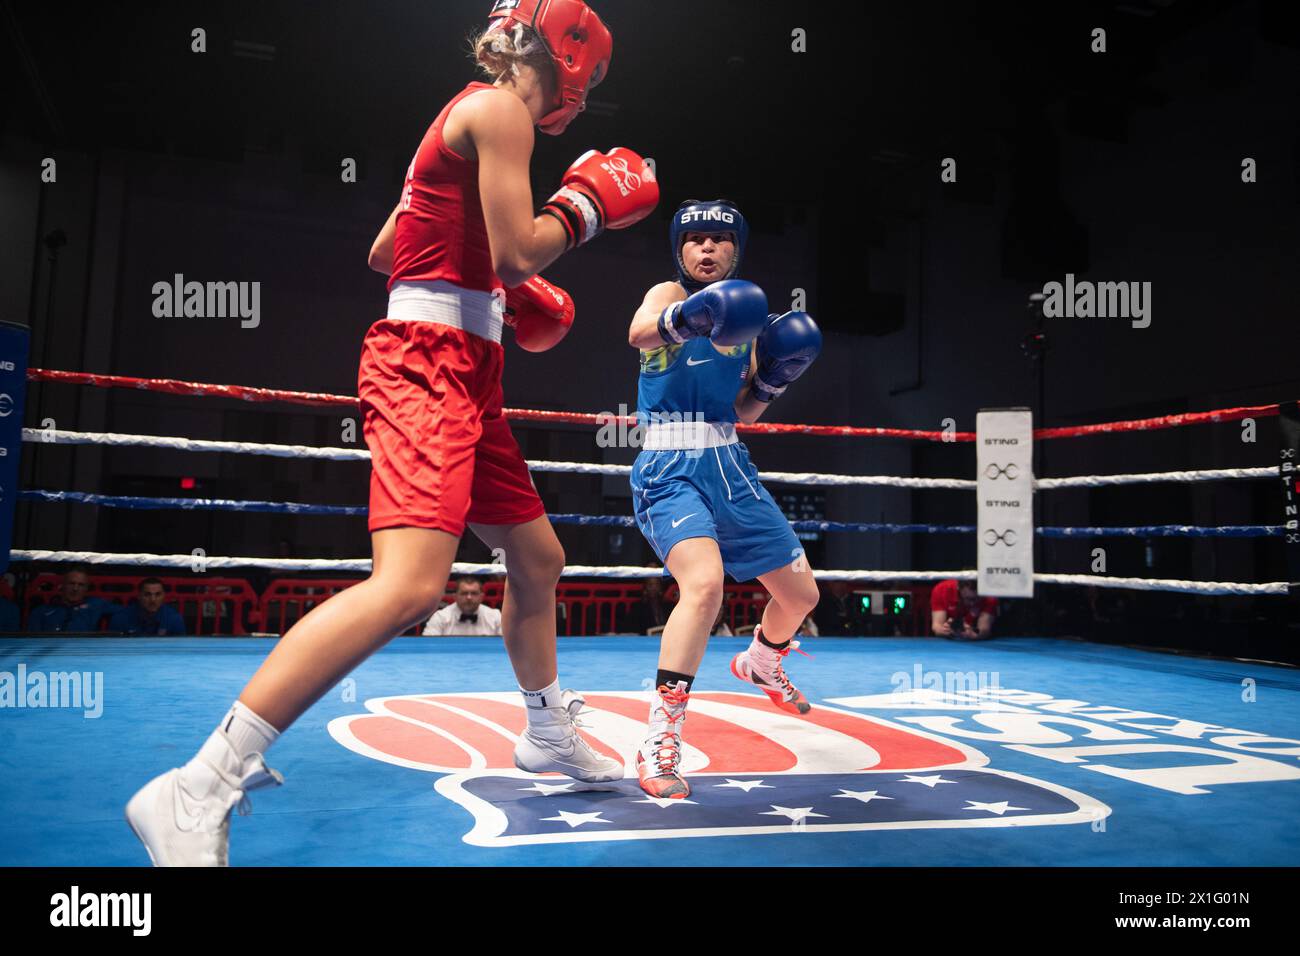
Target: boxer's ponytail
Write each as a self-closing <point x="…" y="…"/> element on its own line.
<point x="500" y="53"/>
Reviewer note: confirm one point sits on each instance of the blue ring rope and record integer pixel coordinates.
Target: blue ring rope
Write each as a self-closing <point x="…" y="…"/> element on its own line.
<point x="626" y="521"/>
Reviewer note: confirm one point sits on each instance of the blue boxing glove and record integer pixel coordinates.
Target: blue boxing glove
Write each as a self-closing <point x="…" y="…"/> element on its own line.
<point x="786" y="347"/>
<point x="730" y="312"/>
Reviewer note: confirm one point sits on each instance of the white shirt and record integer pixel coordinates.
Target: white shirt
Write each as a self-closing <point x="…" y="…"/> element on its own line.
<point x="446" y="621"/>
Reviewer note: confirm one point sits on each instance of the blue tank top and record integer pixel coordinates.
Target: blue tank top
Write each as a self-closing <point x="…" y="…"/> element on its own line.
<point x="693" y="379"/>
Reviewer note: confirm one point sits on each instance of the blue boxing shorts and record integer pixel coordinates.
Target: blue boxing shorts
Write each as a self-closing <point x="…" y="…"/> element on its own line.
<point x="712" y="493"/>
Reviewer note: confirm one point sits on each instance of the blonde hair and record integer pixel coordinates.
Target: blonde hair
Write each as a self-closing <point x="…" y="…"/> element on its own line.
<point x="500" y="53"/>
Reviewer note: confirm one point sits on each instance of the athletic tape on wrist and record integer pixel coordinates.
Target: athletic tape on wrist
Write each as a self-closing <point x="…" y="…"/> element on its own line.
<point x="771" y="390"/>
<point x="586" y="209"/>
<point x="668" y="325"/>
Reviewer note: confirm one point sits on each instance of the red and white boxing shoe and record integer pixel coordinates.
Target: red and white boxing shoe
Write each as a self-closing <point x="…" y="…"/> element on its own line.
<point x="659" y="761"/>
<point x="760" y="666"/>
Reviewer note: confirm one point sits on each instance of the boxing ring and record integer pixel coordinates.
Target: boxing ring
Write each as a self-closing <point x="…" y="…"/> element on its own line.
<point x="919" y="751"/>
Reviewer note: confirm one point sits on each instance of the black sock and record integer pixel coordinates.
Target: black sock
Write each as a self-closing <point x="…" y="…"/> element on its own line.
<point x="665" y="678"/>
<point x="776" y="647"/>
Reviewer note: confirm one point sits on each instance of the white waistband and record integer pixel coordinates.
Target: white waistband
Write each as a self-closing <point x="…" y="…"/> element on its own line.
<point x="477" y="312"/>
<point x="661" y="436"/>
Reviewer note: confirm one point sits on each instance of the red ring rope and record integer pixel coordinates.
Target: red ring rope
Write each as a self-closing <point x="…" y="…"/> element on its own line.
<point x="252" y="394"/>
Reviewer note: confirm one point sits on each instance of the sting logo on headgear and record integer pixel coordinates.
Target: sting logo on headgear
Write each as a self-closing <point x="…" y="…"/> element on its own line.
<point x="695" y="215"/>
<point x="579" y="44"/>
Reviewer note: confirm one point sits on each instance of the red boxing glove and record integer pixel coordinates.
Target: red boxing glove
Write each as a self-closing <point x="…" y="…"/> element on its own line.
<point x="540" y="313"/>
<point x="602" y="191"/>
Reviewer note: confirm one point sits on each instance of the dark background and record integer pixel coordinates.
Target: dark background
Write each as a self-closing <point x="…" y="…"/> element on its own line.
<point x="1122" y="166"/>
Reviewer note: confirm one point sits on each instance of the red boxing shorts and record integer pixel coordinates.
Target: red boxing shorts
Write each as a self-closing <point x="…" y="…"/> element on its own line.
<point x="442" y="455"/>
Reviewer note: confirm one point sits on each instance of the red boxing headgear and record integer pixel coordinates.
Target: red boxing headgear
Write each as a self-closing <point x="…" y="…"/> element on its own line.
<point x="580" y="46"/>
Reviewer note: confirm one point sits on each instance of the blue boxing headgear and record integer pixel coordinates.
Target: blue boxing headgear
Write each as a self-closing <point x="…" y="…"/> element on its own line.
<point x="718" y="215"/>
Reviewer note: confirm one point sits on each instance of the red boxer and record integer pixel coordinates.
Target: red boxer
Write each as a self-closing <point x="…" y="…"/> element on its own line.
<point x="442" y="454"/>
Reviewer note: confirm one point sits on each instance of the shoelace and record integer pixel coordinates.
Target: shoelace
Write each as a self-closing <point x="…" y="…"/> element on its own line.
<point x="667" y="754"/>
<point x="781" y="679"/>
<point x="787" y="687"/>
<point x="792" y="646"/>
<point x="262" y="776"/>
<point x="668" y="748"/>
<point x="577" y="725"/>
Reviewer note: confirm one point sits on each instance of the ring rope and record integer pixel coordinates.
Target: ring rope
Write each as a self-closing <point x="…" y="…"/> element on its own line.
<point x="54" y="436"/>
<point x="141" y="503"/>
<point x="1162" y="584"/>
<point x="205" y="563"/>
<point x="61" y="437"/>
<point x="1210" y="474"/>
<point x="627" y="521"/>
<point x="254" y="394"/>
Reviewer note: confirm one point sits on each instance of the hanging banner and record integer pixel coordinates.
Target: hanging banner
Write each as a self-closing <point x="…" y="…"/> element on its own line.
<point x="14" y="340"/>
<point x="1004" y="441"/>
<point x="1289" y="472"/>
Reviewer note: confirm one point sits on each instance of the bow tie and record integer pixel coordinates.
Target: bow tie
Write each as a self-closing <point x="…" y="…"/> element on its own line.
<point x="471" y="618"/>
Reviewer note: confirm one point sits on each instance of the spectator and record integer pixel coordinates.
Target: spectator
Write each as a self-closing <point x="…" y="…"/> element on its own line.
<point x="71" y="609"/>
<point x="650" y="612"/>
<point x="147" y="615"/>
<point x="468" y="616"/>
<point x="839" y="613"/>
<point x="957" y="610"/>
<point x="720" y="627"/>
<point x="808" y="628"/>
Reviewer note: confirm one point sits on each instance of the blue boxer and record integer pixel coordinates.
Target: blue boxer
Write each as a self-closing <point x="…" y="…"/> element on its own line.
<point x="712" y="354"/>
<point x="701" y="482"/>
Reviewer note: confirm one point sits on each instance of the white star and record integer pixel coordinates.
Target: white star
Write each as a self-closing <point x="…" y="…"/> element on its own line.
<point x="746" y="785"/>
<point x="795" y="813"/>
<point x="578" y="819"/>
<point x="866" y="796"/>
<point x="998" y="808"/>
<point x="546" y="789"/>
<point x="665" y="801"/>
<point x="928" y="781"/>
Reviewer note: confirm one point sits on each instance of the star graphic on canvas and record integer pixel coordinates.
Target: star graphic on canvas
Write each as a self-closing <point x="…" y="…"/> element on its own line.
<point x="928" y="781"/>
<point x="546" y="789"/>
<point x="746" y="785"/>
<point x="575" y="820"/>
<point x="866" y="796"/>
<point x="998" y="808"/>
<point x="792" y="813"/>
<point x="665" y="801"/>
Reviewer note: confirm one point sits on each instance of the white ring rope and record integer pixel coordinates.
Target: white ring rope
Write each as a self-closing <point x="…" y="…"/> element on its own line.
<point x="1212" y="474"/>
<point x="58" y="437"/>
<point x="779" y="477"/>
<point x="1163" y="584"/>
<point x="41" y="436"/>
<point x="205" y="563"/>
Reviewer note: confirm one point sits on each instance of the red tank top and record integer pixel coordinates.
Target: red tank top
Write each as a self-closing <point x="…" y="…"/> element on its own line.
<point x="440" y="228"/>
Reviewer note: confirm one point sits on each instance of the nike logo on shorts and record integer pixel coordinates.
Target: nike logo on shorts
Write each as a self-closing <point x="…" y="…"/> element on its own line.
<point x="684" y="517"/>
